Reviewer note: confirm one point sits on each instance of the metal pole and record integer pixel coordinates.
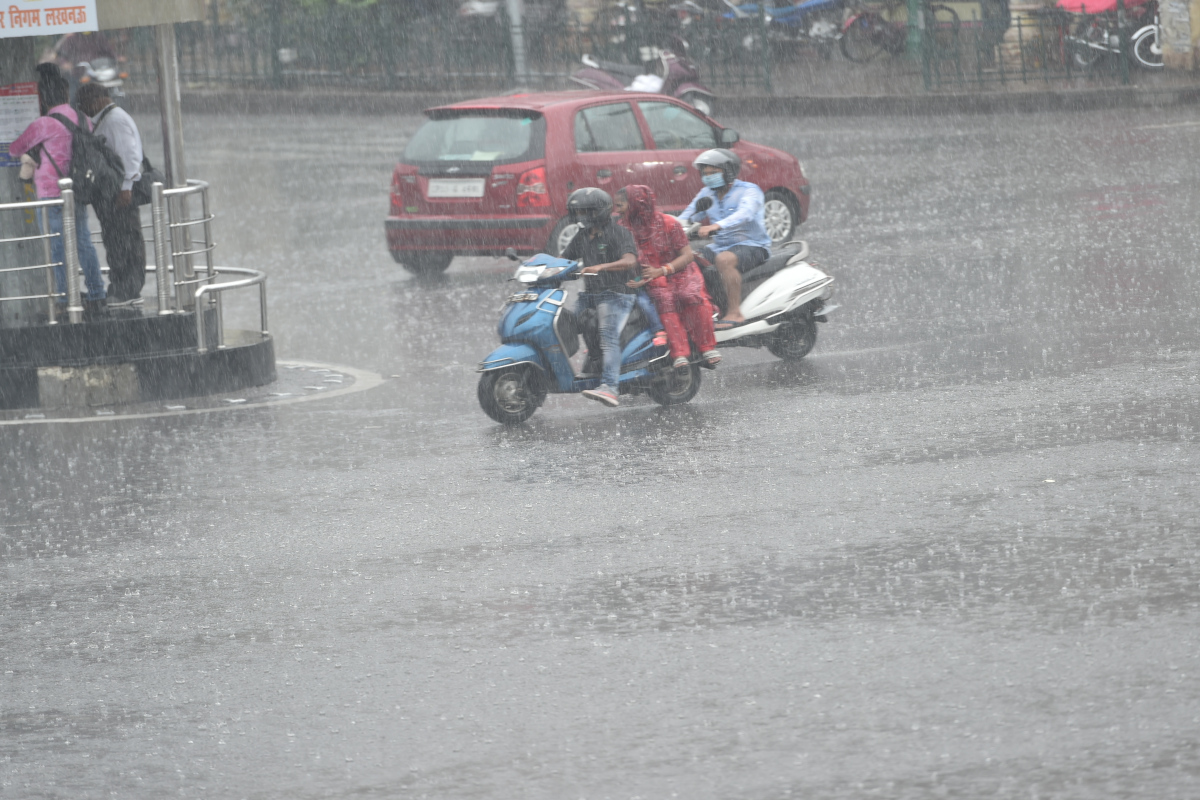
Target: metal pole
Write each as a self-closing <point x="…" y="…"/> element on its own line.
<point x="47" y="259"/>
<point x="916" y="23"/>
<point x="262" y="307"/>
<point x="70" y="243"/>
<point x="766" y="48"/>
<point x="172" y="128"/>
<point x="1123" y="40"/>
<point x="516" y="33"/>
<point x="167" y="61"/>
<point x="162" y="248"/>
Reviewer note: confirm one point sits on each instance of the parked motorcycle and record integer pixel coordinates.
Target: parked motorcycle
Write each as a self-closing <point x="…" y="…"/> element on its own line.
<point x="817" y="22"/>
<point x="105" y="72"/>
<point x="1099" y="33"/>
<point x="674" y="75"/>
<point x="782" y="299"/>
<point x="539" y="335"/>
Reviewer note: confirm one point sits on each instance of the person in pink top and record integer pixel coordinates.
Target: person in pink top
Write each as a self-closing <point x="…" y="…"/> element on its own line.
<point x="48" y="142"/>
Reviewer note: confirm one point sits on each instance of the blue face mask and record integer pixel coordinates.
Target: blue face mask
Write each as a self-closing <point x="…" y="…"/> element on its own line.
<point x="714" y="181"/>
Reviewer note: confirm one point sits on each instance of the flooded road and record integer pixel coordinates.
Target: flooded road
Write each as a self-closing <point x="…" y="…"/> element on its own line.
<point x="951" y="553"/>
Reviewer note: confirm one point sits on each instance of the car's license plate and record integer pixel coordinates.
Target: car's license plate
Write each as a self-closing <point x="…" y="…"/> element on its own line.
<point x="439" y="187"/>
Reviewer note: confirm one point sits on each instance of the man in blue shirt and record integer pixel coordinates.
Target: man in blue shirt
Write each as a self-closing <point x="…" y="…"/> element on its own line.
<point x="735" y="221"/>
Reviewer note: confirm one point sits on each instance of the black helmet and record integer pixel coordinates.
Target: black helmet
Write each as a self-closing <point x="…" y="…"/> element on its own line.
<point x="725" y="160"/>
<point x="590" y="207"/>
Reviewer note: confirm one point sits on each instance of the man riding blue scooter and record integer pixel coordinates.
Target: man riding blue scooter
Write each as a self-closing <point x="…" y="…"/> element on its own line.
<point x="609" y="258"/>
<point x="736" y="222"/>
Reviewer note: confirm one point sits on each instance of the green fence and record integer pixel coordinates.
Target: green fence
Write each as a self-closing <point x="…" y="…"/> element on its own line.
<point x="429" y="46"/>
<point x="1045" y="46"/>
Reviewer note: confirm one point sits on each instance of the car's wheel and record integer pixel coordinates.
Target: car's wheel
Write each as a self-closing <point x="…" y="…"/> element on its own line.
<point x="424" y="262"/>
<point x="780" y="216"/>
<point x="794" y="339"/>
<point x="675" y="386"/>
<point x="701" y="102"/>
<point x="510" y="396"/>
<point x="561" y="236"/>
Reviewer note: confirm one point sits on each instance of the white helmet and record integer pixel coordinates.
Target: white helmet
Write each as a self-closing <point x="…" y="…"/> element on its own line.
<point x="724" y="160"/>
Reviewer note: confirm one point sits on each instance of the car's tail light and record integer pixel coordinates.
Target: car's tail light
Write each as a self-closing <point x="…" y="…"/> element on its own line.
<point x="531" y="189"/>
<point x="403" y="189"/>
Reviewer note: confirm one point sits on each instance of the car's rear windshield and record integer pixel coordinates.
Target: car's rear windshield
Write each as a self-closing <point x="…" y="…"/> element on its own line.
<point x="489" y="136"/>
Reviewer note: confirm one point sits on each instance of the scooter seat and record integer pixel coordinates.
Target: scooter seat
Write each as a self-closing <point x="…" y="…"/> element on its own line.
<point x="630" y="70"/>
<point x="773" y="264"/>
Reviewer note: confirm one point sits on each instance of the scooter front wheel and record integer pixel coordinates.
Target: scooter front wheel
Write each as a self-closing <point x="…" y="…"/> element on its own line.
<point x="511" y="395"/>
<point x="675" y="386"/>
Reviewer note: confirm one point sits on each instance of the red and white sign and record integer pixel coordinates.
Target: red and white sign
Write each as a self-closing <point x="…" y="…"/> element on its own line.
<point x="46" y="17"/>
<point x="18" y="108"/>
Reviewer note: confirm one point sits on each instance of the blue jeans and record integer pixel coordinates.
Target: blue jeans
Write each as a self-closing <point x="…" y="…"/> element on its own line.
<point x="612" y="309"/>
<point x="647" y="306"/>
<point x="88" y="259"/>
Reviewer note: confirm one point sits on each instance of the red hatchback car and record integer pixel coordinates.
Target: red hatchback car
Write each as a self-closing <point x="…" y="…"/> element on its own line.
<point x="485" y="175"/>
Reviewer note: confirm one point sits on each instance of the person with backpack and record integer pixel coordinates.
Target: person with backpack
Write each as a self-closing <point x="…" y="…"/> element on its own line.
<point x="120" y="222"/>
<point x="49" y="143"/>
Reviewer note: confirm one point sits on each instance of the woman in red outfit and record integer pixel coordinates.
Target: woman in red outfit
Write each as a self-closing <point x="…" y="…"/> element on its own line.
<point x="670" y="275"/>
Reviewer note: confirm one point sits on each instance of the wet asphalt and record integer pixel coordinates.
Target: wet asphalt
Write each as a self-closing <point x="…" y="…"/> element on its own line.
<point x="949" y="554"/>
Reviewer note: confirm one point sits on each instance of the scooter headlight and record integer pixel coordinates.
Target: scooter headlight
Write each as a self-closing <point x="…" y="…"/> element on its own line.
<point x="528" y="273"/>
<point x="532" y="273"/>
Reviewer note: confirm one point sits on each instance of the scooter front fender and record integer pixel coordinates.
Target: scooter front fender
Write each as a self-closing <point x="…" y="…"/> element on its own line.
<point x="509" y="355"/>
<point x="597" y="79"/>
<point x="692" y="86"/>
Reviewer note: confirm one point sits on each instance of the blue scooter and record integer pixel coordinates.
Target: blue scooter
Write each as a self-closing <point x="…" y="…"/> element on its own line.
<point x="539" y="337"/>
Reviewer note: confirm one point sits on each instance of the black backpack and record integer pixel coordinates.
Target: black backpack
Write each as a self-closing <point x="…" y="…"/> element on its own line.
<point x="96" y="171"/>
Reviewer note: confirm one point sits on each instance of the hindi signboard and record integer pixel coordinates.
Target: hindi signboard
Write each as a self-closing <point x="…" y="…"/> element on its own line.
<point x="46" y="17"/>
<point x="18" y="108"/>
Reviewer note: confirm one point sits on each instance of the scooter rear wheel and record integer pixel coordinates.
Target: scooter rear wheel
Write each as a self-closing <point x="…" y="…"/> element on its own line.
<point x="675" y="386"/>
<point x="510" y="396"/>
<point x="794" y="339"/>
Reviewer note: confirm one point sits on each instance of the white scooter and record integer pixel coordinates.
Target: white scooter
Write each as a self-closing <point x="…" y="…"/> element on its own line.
<point x="782" y="300"/>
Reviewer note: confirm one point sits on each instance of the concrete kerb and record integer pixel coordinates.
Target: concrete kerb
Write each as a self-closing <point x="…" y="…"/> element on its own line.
<point x="266" y="101"/>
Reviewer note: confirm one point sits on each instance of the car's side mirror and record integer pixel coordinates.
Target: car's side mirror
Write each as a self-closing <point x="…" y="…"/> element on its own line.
<point x="730" y="136"/>
<point x="511" y="254"/>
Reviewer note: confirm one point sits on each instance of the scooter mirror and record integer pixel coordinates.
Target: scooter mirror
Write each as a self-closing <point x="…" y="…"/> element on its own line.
<point x="730" y="136"/>
<point x="703" y="204"/>
<point x="511" y="254"/>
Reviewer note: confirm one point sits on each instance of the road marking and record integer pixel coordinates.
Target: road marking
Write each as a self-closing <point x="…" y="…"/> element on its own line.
<point x="1169" y="125"/>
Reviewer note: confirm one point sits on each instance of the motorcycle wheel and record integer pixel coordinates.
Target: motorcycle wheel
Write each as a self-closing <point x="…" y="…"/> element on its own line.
<point x="1089" y="32"/>
<point x="794" y="339"/>
<point x="675" y="386"/>
<point x="510" y="396"/>
<point x="1147" y="51"/>
<point x="865" y="39"/>
<point x="701" y="102"/>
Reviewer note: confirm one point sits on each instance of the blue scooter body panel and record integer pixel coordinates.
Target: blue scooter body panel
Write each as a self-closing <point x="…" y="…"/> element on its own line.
<point x="508" y="354"/>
